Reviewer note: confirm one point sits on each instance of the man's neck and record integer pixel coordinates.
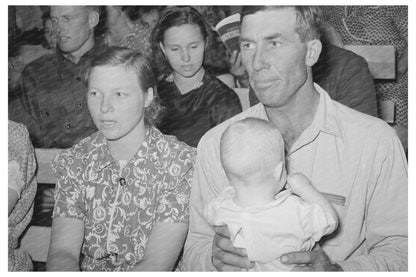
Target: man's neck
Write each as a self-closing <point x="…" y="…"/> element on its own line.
<point x="87" y="46"/>
<point x="297" y="115"/>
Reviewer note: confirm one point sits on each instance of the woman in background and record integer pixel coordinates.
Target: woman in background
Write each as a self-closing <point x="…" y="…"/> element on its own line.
<point x="125" y="29"/>
<point x="194" y="99"/>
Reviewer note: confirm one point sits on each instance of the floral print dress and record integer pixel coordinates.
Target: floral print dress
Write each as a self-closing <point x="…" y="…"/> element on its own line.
<point x="119" y="202"/>
<point x="21" y="151"/>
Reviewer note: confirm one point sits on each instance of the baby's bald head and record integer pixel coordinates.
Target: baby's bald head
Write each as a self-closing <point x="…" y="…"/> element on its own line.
<point x="250" y="148"/>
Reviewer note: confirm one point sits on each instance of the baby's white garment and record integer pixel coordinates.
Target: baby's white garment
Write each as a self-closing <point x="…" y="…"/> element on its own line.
<point x="268" y="231"/>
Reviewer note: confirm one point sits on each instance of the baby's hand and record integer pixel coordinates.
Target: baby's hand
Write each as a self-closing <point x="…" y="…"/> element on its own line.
<point x="300" y="184"/>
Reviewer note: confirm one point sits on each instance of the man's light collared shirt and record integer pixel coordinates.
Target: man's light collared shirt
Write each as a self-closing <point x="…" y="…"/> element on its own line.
<point x="356" y="160"/>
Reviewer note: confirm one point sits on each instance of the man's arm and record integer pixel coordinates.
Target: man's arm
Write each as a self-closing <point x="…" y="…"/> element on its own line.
<point x="386" y="218"/>
<point x="197" y="251"/>
<point x="387" y="211"/>
<point x="24" y="108"/>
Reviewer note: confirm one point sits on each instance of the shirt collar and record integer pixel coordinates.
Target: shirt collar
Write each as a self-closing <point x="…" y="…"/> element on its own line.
<point x="325" y="120"/>
<point x="64" y="56"/>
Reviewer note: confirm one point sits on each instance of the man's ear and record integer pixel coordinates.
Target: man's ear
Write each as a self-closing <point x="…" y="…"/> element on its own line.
<point x="314" y="48"/>
<point x="162" y="48"/>
<point x="148" y="97"/>
<point x="93" y="19"/>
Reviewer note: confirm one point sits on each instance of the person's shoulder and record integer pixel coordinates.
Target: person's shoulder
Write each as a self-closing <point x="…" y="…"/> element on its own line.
<point x="217" y="86"/>
<point x="170" y="147"/>
<point x="361" y="124"/>
<point x="82" y="148"/>
<point x="18" y="138"/>
<point x="17" y="129"/>
<point x="343" y="56"/>
<point x="223" y="94"/>
<point x="41" y="62"/>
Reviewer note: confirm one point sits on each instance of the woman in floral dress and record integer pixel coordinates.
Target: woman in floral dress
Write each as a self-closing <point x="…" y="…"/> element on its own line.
<point x="122" y="193"/>
<point x="21" y="193"/>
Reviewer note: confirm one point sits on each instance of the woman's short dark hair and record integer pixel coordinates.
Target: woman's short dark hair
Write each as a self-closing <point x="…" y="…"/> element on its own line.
<point x="308" y="19"/>
<point x="177" y="16"/>
<point x="138" y="63"/>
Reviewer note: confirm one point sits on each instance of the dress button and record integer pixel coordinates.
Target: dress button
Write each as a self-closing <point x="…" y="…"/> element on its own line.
<point x="68" y="126"/>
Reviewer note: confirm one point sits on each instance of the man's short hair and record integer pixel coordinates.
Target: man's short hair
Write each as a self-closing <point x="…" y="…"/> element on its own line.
<point x="308" y="19"/>
<point x="93" y="8"/>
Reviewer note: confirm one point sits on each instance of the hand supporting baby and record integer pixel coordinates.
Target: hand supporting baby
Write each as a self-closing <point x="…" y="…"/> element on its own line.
<point x="226" y="257"/>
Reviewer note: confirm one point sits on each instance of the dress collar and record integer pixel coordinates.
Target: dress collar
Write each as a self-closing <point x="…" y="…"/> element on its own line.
<point x="103" y="154"/>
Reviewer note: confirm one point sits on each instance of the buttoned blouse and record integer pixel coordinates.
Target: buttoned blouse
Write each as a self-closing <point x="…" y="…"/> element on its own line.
<point x="120" y="203"/>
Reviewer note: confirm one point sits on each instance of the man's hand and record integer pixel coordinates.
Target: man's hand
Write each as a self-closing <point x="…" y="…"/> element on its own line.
<point x="225" y="257"/>
<point x="315" y="260"/>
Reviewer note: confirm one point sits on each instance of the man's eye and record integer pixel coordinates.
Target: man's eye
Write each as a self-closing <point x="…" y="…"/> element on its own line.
<point x="120" y="94"/>
<point x="246" y="45"/>
<point x="275" y="43"/>
<point x="93" y="93"/>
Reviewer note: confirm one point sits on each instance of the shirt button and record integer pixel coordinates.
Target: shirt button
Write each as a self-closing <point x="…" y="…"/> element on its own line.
<point x="68" y="126"/>
<point x="61" y="75"/>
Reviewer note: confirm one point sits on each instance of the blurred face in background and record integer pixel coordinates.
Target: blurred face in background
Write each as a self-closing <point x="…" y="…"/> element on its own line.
<point x="74" y="27"/>
<point x="149" y="19"/>
<point x="50" y="34"/>
<point x="116" y="28"/>
<point x="184" y="47"/>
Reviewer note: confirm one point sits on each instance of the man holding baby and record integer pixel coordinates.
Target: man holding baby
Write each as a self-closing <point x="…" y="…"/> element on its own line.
<point x="356" y="161"/>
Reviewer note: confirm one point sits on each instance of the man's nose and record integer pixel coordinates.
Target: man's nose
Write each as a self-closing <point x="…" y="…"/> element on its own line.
<point x="259" y="59"/>
<point x="58" y="26"/>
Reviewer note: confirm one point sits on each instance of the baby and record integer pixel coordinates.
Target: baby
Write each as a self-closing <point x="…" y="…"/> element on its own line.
<point x="263" y="216"/>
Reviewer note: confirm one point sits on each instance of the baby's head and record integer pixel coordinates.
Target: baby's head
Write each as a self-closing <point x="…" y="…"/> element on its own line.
<point x="252" y="153"/>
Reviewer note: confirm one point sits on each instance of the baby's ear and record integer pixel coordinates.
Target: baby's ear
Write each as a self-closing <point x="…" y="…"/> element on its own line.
<point x="280" y="174"/>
